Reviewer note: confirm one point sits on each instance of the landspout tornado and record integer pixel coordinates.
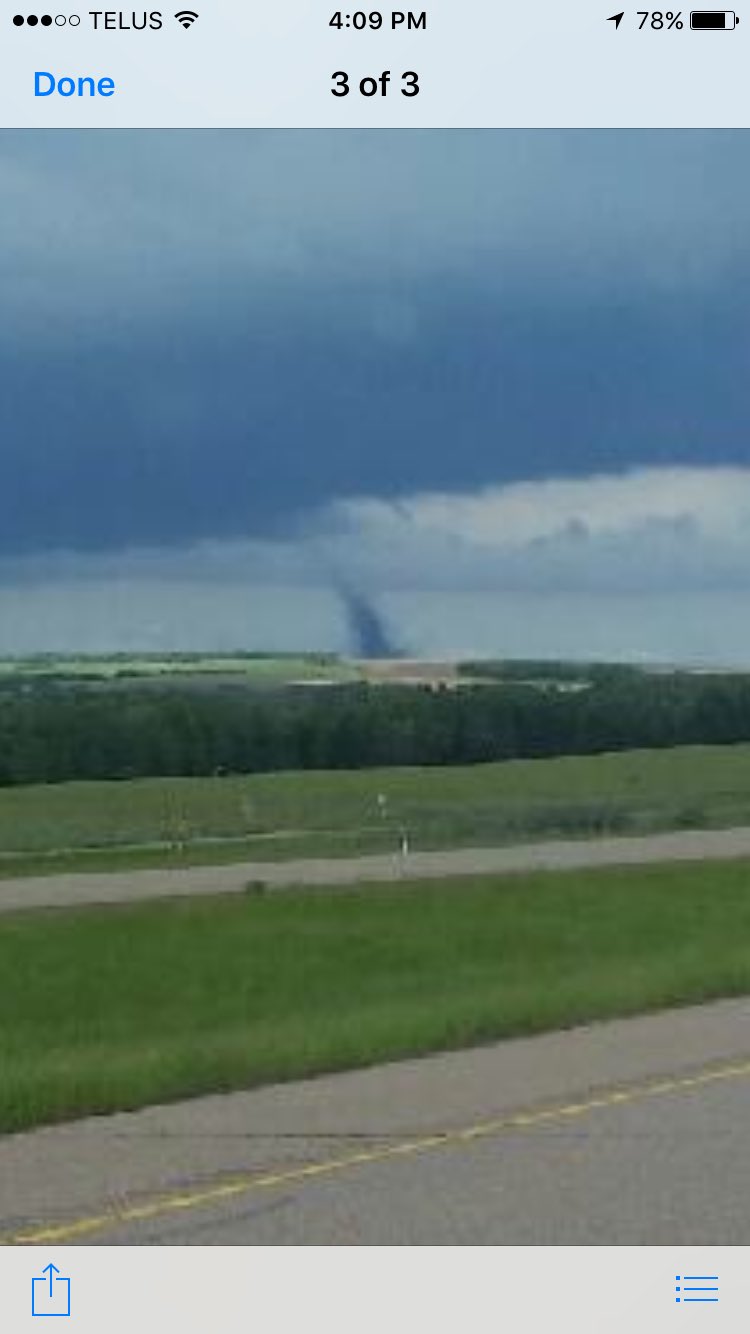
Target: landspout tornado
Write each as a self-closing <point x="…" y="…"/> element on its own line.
<point x="369" y="634"/>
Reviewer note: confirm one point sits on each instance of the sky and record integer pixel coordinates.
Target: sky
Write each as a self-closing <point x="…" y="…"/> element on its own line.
<point x="493" y="384"/>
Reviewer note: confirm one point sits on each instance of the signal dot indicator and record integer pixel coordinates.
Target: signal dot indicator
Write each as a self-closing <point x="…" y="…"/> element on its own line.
<point x="32" y="20"/>
<point x="19" y="20"/>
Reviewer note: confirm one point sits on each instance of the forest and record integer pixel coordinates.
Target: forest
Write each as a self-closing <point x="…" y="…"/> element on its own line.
<point x="56" y="731"/>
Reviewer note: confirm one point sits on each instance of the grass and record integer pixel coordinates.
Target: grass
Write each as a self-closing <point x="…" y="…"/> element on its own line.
<point x="99" y="825"/>
<point x="120" y="1007"/>
<point x="208" y="852"/>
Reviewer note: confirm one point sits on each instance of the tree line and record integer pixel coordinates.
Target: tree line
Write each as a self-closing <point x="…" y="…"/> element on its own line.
<point x="57" y="733"/>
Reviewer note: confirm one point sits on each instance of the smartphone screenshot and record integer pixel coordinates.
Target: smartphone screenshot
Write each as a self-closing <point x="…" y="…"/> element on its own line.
<point x="374" y="668"/>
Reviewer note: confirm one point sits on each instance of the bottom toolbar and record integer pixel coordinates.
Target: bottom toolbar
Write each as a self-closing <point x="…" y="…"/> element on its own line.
<point x="338" y="1289"/>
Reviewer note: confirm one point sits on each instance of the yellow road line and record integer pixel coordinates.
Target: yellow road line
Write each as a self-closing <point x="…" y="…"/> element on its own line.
<point x="252" y="1183"/>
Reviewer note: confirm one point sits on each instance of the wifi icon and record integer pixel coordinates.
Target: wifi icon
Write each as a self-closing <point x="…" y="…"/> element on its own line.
<point x="186" y="17"/>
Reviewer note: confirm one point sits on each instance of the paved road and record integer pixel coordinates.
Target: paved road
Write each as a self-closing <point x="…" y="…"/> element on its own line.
<point x="131" y="886"/>
<point x="633" y="1133"/>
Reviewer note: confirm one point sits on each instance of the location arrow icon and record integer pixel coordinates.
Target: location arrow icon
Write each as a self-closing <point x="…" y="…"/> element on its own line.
<point x="615" y="18"/>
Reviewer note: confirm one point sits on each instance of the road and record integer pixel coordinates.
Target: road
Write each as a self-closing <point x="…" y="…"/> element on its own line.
<point x="133" y="886"/>
<point x="633" y="1132"/>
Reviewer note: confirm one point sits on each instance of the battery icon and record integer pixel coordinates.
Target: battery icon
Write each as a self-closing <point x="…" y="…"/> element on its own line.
<point x="714" y="20"/>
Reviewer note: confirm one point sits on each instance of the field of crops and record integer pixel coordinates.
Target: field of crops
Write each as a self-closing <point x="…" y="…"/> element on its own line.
<point x="255" y="668"/>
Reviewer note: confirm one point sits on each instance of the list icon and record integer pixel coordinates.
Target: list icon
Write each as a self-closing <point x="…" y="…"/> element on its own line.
<point x="696" y="1287"/>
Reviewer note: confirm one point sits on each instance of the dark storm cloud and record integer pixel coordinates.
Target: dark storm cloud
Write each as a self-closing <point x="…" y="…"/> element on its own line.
<point x="203" y="335"/>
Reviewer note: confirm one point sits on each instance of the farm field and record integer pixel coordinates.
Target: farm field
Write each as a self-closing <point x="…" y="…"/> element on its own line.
<point x="170" y="1000"/>
<point x="280" y="669"/>
<point x="256" y="669"/>
<point x="184" y="821"/>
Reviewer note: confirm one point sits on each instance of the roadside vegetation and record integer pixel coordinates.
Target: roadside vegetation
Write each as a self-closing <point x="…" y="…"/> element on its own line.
<point x="173" y="822"/>
<point x="113" y="1008"/>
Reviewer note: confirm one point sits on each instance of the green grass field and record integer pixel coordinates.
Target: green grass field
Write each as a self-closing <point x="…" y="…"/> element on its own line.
<point x="268" y="816"/>
<point x="114" y="1008"/>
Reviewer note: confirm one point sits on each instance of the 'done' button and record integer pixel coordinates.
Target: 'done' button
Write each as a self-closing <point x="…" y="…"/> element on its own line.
<point x="67" y="85"/>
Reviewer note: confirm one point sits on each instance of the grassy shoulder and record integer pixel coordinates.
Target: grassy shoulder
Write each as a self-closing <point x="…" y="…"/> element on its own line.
<point x="199" y="852"/>
<point x="200" y="821"/>
<point x="113" y="1008"/>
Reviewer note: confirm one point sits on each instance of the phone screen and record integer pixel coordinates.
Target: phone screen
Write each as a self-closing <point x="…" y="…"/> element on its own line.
<point x="374" y="668"/>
